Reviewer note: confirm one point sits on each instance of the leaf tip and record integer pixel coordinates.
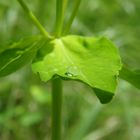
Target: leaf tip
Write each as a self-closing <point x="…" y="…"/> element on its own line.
<point x="104" y="96"/>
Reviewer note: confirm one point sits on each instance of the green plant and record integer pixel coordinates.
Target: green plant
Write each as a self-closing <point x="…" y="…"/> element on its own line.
<point x="94" y="61"/>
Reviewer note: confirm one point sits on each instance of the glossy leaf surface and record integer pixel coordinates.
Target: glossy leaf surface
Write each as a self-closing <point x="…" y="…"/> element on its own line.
<point x="94" y="61"/>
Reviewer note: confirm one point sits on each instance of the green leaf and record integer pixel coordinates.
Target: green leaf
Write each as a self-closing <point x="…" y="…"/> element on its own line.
<point x="131" y="60"/>
<point x="130" y="54"/>
<point x="94" y="61"/>
<point x="132" y="76"/>
<point x="18" y="54"/>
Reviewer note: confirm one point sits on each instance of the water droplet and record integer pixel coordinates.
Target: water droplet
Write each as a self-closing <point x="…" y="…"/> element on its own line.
<point x="69" y="74"/>
<point x="72" y="71"/>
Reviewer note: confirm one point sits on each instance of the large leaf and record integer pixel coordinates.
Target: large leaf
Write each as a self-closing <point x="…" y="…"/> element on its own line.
<point x="18" y="54"/>
<point x="94" y="61"/>
<point x="132" y="76"/>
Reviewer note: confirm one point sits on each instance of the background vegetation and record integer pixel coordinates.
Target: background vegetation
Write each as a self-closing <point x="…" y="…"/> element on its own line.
<point x="25" y="102"/>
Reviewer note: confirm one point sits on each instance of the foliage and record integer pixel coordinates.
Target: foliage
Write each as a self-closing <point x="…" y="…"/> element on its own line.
<point x="70" y="55"/>
<point x="119" y="20"/>
<point x="80" y="58"/>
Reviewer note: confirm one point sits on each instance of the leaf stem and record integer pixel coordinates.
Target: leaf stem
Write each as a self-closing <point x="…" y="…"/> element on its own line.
<point x="34" y="19"/>
<point x="74" y="12"/>
<point x="56" y="108"/>
<point x="60" y="9"/>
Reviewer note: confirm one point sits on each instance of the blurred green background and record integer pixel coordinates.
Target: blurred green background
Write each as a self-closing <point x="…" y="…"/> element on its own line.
<point x="25" y="101"/>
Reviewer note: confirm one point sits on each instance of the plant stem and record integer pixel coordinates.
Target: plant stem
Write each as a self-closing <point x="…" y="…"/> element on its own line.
<point x="34" y="19"/>
<point x="74" y="12"/>
<point x="60" y="9"/>
<point x="56" y="108"/>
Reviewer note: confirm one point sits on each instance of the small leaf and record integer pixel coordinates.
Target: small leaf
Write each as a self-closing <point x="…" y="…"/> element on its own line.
<point x="130" y="55"/>
<point x="94" y="61"/>
<point x="131" y="60"/>
<point x="18" y="54"/>
<point x="132" y="76"/>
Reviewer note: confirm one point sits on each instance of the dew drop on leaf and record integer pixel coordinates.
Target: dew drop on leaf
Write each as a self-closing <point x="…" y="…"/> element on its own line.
<point x="69" y="74"/>
<point x="72" y="71"/>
